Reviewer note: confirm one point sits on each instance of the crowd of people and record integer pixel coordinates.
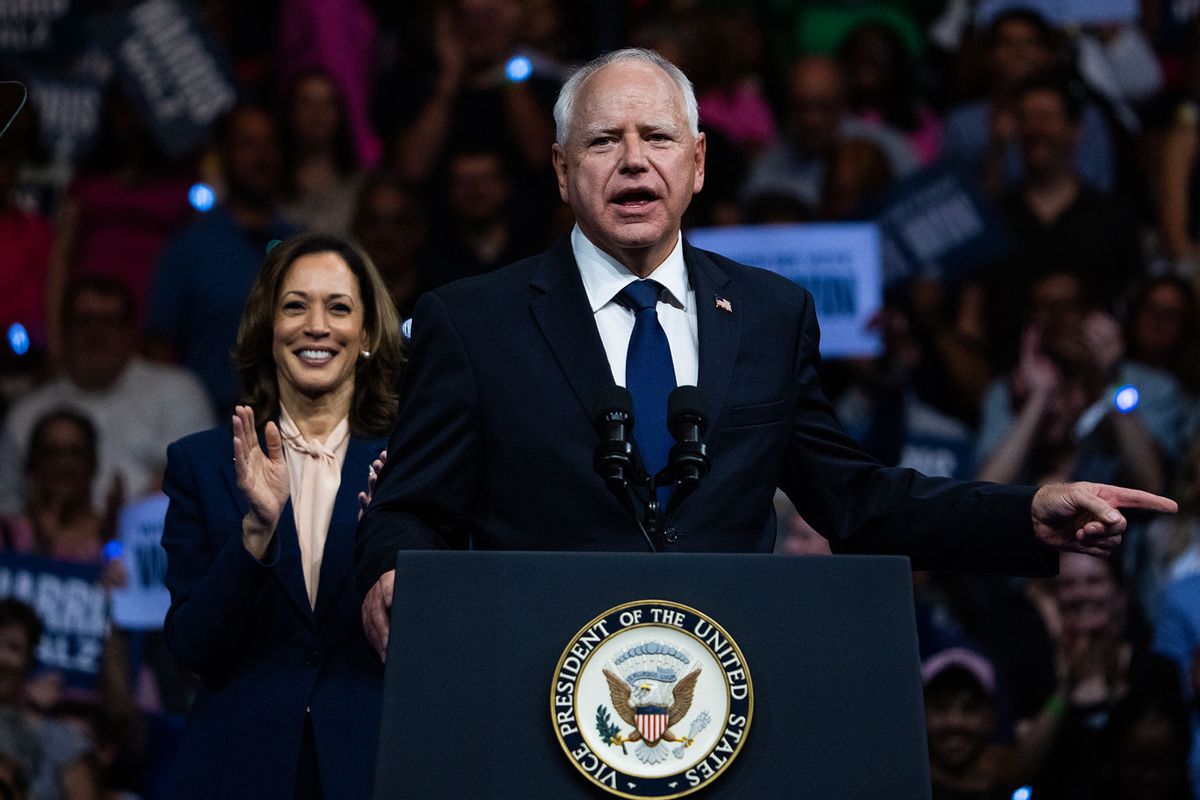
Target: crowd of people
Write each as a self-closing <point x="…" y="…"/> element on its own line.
<point x="423" y="132"/>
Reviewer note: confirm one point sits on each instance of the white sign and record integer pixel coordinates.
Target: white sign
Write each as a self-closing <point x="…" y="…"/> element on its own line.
<point x="838" y="262"/>
<point x="142" y="605"/>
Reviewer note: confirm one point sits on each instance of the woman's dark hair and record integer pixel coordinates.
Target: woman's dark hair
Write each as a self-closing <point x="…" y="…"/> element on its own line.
<point x="1071" y="93"/>
<point x="1184" y="359"/>
<point x="375" y="400"/>
<point x="345" y="154"/>
<point x="18" y="612"/>
<point x="1046" y="33"/>
<point x="85" y="426"/>
<point x="123" y="137"/>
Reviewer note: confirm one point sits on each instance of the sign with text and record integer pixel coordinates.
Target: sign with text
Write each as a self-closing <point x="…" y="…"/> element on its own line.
<point x="29" y="27"/>
<point x="839" y="263"/>
<point x="936" y="224"/>
<point x="73" y="608"/>
<point x="68" y="112"/>
<point x="172" y="69"/>
<point x="142" y="604"/>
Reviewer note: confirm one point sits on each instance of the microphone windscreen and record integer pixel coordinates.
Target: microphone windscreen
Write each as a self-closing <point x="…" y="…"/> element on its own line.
<point x="685" y="400"/>
<point x="612" y="398"/>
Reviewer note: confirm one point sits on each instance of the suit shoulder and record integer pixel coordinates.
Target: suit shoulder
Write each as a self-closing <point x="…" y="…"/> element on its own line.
<point x="485" y="289"/>
<point x="215" y="443"/>
<point x="771" y="286"/>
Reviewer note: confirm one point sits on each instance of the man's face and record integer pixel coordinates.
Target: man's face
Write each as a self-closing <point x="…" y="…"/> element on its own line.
<point x="1089" y="600"/>
<point x="478" y="188"/>
<point x="957" y="724"/>
<point x="251" y="156"/>
<point x="630" y="164"/>
<point x="1048" y="135"/>
<point x="817" y="100"/>
<point x="100" y="339"/>
<point x="1018" y="53"/>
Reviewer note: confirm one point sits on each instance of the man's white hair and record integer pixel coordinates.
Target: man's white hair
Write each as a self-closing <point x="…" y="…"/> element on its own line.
<point x="564" y="108"/>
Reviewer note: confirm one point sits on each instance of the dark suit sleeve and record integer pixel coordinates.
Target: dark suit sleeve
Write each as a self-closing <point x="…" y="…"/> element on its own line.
<point x="213" y="589"/>
<point x="424" y="496"/>
<point x="864" y="507"/>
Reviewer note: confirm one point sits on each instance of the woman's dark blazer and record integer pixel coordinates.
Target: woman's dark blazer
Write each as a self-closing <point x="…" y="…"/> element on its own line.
<point x="265" y="657"/>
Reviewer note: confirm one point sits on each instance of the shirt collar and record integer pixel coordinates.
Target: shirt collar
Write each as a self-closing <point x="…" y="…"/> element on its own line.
<point x="603" y="276"/>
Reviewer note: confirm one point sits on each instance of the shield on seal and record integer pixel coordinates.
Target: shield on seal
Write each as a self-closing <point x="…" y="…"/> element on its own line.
<point x="651" y="723"/>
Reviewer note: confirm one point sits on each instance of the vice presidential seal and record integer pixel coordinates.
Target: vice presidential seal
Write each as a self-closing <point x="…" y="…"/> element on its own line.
<point x="652" y="699"/>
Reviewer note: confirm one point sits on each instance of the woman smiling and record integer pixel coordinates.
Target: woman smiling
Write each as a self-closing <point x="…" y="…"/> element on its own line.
<point x="260" y="536"/>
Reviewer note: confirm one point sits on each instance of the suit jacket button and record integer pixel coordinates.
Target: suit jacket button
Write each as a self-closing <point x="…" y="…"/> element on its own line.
<point x="671" y="535"/>
<point x="314" y="658"/>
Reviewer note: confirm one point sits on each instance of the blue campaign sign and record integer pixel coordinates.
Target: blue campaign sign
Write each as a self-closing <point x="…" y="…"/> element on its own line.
<point x="839" y="263"/>
<point x="142" y="604"/>
<point x="937" y="224"/>
<point x="1064" y="12"/>
<point x="73" y="608"/>
<point x="936" y="444"/>
<point x="172" y="69"/>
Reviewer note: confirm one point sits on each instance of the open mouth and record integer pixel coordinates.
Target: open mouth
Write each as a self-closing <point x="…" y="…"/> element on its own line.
<point x="635" y="198"/>
<point x="314" y="356"/>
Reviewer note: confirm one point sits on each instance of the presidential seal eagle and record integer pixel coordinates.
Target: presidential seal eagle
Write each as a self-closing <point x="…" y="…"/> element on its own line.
<point x="644" y="705"/>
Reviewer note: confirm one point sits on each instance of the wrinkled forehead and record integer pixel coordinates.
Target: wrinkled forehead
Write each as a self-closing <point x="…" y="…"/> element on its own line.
<point x="629" y="92"/>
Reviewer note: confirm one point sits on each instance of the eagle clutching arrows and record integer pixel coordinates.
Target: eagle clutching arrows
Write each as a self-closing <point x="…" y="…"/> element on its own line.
<point x="646" y="707"/>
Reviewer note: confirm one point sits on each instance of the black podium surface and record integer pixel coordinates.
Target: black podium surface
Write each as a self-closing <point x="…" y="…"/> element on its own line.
<point x="830" y="644"/>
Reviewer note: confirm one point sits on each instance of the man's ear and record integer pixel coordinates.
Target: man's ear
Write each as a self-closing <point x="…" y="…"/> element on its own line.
<point x="701" y="148"/>
<point x="559" y="157"/>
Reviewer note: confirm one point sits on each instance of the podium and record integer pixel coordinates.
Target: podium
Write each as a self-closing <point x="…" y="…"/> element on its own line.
<point x="477" y="640"/>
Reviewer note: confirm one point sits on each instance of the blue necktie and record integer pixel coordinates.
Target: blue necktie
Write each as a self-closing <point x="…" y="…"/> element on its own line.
<point x="650" y="377"/>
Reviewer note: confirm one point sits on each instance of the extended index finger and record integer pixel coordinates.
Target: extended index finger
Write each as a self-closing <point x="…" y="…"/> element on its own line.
<point x="1123" y="497"/>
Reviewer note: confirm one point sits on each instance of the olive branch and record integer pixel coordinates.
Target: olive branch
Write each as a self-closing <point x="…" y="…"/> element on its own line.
<point x="609" y="732"/>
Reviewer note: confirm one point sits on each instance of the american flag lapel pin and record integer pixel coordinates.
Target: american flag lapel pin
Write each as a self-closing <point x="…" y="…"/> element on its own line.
<point x="724" y="304"/>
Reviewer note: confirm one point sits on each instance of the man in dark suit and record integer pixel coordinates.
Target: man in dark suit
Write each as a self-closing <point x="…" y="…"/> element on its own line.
<point x="493" y="446"/>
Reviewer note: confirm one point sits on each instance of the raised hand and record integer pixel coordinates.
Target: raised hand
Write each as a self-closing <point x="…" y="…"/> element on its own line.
<point x="1036" y="375"/>
<point x="364" y="498"/>
<point x="1083" y="516"/>
<point x="262" y="477"/>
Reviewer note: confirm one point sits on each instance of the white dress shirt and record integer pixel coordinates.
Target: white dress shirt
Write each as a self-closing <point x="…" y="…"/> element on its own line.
<point x="603" y="279"/>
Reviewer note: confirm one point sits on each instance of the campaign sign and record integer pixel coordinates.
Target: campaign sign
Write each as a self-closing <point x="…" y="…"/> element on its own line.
<point x="68" y="112"/>
<point x="936" y="224"/>
<point x="30" y="27"/>
<point x="141" y="605"/>
<point x="73" y="607"/>
<point x="1064" y="12"/>
<point x="936" y="444"/>
<point x="839" y="263"/>
<point x="172" y="69"/>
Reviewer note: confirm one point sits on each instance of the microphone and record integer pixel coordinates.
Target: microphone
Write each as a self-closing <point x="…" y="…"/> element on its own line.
<point x="613" y="458"/>
<point x="689" y="460"/>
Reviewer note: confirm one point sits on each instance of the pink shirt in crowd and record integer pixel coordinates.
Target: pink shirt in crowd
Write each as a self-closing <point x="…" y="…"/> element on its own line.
<point x="24" y="254"/>
<point x="338" y="36"/>
<point x="124" y="227"/>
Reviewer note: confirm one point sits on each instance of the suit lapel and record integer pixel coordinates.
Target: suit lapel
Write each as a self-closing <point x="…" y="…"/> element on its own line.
<point x="339" y="544"/>
<point x="561" y="309"/>
<point x="719" y="330"/>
